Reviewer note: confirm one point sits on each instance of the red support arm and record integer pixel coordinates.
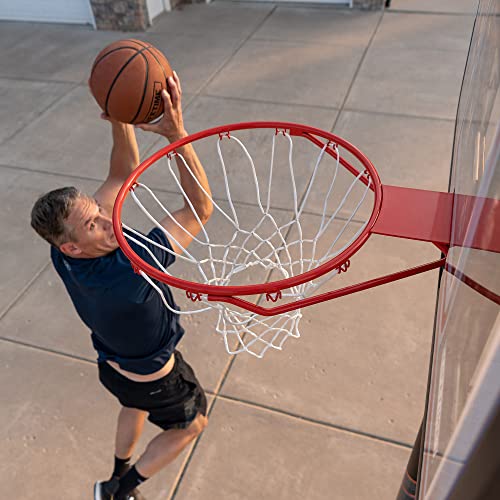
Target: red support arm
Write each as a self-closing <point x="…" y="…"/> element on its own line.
<point x="427" y="216"/>
<point x="415" y="214"/>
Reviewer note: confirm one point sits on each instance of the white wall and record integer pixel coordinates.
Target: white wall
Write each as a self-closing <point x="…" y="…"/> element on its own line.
<point x="59" y="11"/>
<point x="156" y="7"/>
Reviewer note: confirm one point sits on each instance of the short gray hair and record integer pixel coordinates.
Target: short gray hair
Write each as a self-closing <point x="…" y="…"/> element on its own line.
<point x="49" y="213"/>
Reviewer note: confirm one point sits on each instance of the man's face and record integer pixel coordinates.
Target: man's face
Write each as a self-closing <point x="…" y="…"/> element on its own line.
<point x="91" y="230"/>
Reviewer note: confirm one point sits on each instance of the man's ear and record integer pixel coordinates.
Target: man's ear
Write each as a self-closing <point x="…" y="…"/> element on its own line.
<point x="69" y="248"/>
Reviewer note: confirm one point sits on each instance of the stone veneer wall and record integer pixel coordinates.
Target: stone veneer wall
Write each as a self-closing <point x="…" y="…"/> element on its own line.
<point x="120" y="15"/>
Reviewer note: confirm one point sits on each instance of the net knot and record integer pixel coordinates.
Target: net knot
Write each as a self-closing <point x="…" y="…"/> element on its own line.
<point x="171" y="154"/>
<point x="194" y="296"/>
<point x="280" y="131"/>
<point x="224" y="134"/>
<point x="273" y="298"/>
<point x="343" y="267"/>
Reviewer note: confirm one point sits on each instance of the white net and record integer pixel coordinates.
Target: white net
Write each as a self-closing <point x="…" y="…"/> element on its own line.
<point x="251" y="242"/>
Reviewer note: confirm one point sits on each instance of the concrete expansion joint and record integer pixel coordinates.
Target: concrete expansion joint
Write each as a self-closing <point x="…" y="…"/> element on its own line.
<point x="430" y="13"/>
<point x="40" y="113"/>
<point x="48" y="351"/>
<point x="24" y="289"/>
<point x="316" y="422"/>
<point x="236" y="50"/>
<point x="358" y="69"/>
<point x="278" y="103"/>
<point x="399" y="115"/>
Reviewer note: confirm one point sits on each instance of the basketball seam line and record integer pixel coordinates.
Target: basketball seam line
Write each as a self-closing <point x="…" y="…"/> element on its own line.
<point x="144" y="89"/>
<point x="160" y="64"/>
<point x="144" y="45"/>
<point x="162" y="70"/>
<point x="107" y="54"/>
<point x="118" y="75"/>
<point x="148" y="47"/>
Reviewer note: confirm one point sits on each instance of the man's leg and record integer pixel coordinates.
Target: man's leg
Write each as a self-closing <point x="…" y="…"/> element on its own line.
<point x="162" y="450"/>
<point x="128" y="431"/>
<point x="165" y="447"/>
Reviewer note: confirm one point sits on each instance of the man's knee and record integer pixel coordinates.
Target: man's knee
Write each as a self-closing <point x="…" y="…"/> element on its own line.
<point x="197" y="425"/>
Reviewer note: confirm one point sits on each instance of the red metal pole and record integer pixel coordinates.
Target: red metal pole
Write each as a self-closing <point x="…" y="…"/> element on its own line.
<point x="334" y="294"/>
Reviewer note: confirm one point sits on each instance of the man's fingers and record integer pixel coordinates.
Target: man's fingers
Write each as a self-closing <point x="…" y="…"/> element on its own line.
<point x="167" y="101"/>
<point x="174" y="91"/>
<point x="178" y="82"/>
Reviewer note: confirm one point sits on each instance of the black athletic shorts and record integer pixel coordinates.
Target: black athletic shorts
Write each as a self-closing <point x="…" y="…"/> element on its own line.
<point x="172" y="401"/>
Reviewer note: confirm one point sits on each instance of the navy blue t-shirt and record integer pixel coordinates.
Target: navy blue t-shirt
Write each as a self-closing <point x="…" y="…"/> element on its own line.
<point x="129" y="322"/>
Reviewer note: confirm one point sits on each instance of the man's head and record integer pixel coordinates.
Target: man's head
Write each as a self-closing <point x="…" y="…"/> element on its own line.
<point x="74" y="223"/>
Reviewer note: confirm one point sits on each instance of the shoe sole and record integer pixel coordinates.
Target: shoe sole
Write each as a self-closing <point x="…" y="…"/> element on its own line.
<point x="97" y="492"/>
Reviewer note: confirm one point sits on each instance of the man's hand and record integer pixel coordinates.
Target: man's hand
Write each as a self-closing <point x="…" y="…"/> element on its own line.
<point x="171" y="124"/>
<point x="108" y="118"/>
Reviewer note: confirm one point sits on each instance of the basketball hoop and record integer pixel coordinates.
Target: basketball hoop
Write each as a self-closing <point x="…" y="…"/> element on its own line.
<point x="352" y="199"/>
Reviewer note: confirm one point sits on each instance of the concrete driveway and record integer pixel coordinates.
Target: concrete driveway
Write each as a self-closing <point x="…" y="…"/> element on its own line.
<point x="335" y="414"/>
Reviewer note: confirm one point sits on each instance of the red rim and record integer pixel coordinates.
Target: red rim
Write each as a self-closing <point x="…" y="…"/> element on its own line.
<point x="274" y="286"/>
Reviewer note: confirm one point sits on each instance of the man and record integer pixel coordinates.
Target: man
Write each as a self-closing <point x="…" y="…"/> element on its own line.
<point x="133" y="332"/>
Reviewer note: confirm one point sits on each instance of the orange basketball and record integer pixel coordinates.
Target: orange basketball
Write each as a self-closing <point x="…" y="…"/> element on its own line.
<point x="127" y="79"/>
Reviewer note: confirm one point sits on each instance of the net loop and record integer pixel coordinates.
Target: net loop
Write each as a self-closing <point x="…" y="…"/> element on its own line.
<point x="277" y="296"/>
<point x="193" y="296"/>
<point x="344" y="267"/>
<point x="224" y="134"/>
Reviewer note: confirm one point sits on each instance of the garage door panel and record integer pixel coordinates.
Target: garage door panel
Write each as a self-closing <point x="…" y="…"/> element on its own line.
<point x="64" y="11"/>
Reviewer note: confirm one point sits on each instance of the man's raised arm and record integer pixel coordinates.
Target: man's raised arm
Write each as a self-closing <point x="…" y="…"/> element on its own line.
<point x="124" y="159"/>
<point x="171" y="126"/>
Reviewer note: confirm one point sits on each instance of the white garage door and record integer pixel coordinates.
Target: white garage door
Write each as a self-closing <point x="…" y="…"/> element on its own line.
<point x="58" y="11"/>
<point x="341" y="2"/>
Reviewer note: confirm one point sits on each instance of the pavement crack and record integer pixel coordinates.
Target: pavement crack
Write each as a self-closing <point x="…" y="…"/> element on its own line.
<point x="24" y="290"/>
